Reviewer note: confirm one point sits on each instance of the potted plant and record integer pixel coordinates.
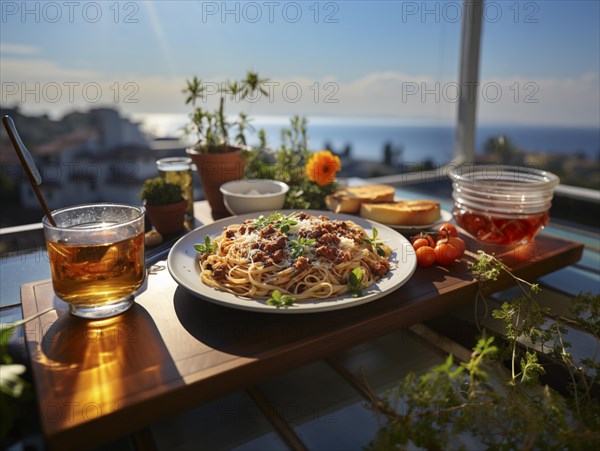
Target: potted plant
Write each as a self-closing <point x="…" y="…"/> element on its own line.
<point x="219" y="159"/>
<point x="164" y="204"/>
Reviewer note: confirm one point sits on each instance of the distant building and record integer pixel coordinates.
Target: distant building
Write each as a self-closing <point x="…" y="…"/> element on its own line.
<point x="97" y="156"/>
<point x="114" y="130"/>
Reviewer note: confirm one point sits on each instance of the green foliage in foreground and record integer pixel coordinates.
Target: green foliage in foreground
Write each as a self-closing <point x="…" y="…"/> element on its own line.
<point x="442" y="407"/>
<point x="15" y="392"/>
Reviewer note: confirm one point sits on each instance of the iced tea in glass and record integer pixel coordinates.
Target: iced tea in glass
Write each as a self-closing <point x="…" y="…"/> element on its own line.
<point x="96" y="255"/>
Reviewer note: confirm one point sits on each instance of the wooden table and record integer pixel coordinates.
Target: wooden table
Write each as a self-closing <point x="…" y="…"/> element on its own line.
<point x="99" y="380"/>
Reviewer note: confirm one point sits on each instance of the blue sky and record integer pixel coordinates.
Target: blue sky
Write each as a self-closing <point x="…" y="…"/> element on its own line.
<point x="371" y="50"/>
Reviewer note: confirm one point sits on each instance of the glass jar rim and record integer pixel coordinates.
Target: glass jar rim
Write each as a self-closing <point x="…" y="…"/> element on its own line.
<point x="509" y="177"/>
<point x="513" y="196"/>
<point x="173" y="160"/>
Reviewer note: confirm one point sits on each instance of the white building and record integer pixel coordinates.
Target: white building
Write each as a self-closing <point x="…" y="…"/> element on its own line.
<point x="105" y="162"/>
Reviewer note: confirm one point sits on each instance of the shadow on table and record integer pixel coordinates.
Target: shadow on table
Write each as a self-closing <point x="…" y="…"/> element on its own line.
<point x="247" y="333"/>
<point x="240" y="332"/>
<point x="107" y="359"/>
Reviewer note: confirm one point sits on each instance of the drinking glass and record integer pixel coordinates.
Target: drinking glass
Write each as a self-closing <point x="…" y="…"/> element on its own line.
<point x="178" y="170"/>
<point x="96" y="254"/>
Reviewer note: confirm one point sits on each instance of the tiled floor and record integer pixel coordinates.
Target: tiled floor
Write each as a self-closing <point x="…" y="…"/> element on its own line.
<point x="322" y="408"/>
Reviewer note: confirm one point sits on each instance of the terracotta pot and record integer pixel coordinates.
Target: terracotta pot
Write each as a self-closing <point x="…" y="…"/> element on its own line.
<point x="215" y="169"/>
<point x="168" y="218"/>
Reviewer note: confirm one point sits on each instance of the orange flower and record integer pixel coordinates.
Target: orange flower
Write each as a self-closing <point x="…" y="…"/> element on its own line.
<point x="322" y="167"/>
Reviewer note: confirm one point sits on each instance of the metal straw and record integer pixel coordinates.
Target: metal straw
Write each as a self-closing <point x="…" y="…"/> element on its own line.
<point x="28" y="164"/>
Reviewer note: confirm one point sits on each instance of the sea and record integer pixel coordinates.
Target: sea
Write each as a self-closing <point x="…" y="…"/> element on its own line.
<point x="413" y="140"/>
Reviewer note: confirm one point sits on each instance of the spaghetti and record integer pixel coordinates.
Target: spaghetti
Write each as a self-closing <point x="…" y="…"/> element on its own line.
<point x="304" y="256"/>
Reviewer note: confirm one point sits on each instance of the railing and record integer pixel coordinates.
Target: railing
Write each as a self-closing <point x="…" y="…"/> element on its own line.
<point x="410" y="178"/>
<point x="441" y="174"/>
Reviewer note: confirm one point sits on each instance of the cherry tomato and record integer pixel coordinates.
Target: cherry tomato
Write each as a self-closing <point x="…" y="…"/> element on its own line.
<point x="447" y="229"/>
<point x="424" y="236"/>
<point x="420" y="242"/>
<point x="445" y="253"/>
<point x="459" y="244"/>
<point x="425" y="256"/>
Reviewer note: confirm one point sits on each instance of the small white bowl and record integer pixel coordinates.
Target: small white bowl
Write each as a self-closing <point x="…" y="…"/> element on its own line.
<point x="246" y="196"/>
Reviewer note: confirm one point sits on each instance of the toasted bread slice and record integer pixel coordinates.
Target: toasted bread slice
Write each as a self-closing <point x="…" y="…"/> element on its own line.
<point x="348" y="200"/>
<point x="406" y="212"/>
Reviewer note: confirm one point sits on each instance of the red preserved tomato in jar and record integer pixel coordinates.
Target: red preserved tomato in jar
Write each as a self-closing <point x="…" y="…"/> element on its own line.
<point x="497" y="230"/>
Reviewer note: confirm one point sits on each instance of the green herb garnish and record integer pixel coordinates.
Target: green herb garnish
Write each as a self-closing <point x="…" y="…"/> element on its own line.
<point x="355" y="282"/>
<point x="279" y="221"/>
<point x="301" y="246"/>
<point x="208" y="247"/>
<point x="261" y="221"/>
<point x="375" y="244"/>
<point x="280" y="300"/>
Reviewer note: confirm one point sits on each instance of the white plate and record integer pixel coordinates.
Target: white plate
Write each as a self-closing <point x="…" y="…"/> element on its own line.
<point x="184" y="268"/>
<point x="445" y="216"/>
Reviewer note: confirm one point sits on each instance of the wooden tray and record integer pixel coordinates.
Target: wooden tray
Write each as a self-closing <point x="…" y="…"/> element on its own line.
<point x="99" y="380"/>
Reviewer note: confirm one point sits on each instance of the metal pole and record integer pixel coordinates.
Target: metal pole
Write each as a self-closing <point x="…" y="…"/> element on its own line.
<point x="464" y="150"/>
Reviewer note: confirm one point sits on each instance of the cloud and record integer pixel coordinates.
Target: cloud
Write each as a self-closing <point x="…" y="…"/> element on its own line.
<point x="568" y="101"/>
<point x="18" y="49"/>
<point x="40" y="70"/>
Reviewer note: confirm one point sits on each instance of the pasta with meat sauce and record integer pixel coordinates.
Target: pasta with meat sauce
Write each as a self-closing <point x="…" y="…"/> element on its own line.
<point x="305" y="256"/>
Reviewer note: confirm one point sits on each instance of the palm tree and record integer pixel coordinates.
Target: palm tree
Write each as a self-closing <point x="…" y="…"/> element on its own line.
<point x="213" y="127"/>
<point x="252" y="84"/>
<point x="194" y="89"/>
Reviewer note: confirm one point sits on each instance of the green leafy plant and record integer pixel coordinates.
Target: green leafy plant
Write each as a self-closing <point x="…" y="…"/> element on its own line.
<point x="158" y="191"/>
<point x="280" y="300"/>
<point x="453" y="399"/>
<point x="288" y="164"/>
<point x="14" y="390"/>
<point x="521" y="315"/>
<point x="211" y="128"/>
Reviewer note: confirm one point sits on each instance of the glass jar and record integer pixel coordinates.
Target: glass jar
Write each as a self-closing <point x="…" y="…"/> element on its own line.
<point x="178" y="170"/>
<point x="504" y="205"/>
